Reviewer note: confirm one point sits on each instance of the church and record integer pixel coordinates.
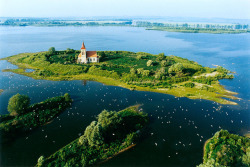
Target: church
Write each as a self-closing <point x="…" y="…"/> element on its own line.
<point x="87" y="56"/>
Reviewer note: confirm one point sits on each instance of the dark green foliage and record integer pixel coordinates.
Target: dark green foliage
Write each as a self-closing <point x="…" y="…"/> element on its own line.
<point x="35" y="115"/>
<point x="112" y="132"/>
<point x="102" y="56"/>
<point x="18" y="104"/>
<point x="189" y="84"/>
<point x="52" y="50"/>
<point x="160" y="57"/>
<point x="227" y="150"/>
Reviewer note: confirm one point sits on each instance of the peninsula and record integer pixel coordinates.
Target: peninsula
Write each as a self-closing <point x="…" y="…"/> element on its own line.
<point x="113" y="132"/>
<point x="24" y="117"/>
<point x="136" y="71"/>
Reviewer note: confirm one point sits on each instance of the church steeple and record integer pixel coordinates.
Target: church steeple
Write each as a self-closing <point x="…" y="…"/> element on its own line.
<point x="83" y="50"/>
<point x="83" y="46"/>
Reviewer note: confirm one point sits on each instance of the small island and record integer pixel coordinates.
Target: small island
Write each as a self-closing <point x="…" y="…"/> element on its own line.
<point x="24" y="117"/>
<point x="225" y="149"/>
<point x="112" y="133"/>
<point x="136" y="71"/>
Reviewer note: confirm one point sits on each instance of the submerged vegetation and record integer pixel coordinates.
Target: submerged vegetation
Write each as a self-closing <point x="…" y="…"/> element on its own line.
<point x="137" y="71"/>
<point x="111" y="133"/>
<point x="24" y="117"/>
<point x="225" y="149"/>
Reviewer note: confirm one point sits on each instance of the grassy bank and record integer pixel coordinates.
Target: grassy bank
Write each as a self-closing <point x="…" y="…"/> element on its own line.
<point x="136" y="71"/>
<point x="112" y="133"/>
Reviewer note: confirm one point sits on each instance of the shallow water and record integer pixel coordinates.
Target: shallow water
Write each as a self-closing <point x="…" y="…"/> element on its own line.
<point x="178" y="127"/>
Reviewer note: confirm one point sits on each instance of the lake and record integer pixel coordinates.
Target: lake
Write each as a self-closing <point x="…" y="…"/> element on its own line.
<point x="178" y="127"/>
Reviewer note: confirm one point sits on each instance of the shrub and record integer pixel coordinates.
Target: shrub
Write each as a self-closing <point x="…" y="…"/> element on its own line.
<point x="164" y="63"/>
<point x="189" y="84"/>
<point x="150" y="63"/>
<point x="139" y="70"/>
<point x="146" y="73"/>
<point x="18" y="104"/>
<point x="52" y="50"/>
<point x="160" y="57"/>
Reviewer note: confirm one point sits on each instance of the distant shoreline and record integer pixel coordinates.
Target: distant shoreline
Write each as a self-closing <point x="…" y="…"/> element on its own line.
<point x="183" y="27"/>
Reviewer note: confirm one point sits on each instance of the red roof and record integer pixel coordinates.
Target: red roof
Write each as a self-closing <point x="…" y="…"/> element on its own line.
<point x="91" y="54"/>
<point x="83" y="46"/>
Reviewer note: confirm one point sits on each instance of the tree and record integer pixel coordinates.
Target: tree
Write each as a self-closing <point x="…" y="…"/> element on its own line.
<point x="52" y="50"/>
<point x="139" y="70"/>
<point x="18" y="104"/>
<point x="102" y="56"/>
<point x="67" y="97"/>
<point x="70" y="50"/>
<point x="132" y="71"/>
<point x="164" y="63"/>
<point x="139" y="57"/>
<point x="40" y="161"/>
<point x="178" y="67"/>
<point x="150" y="63"/>
<point x="160" y="57"/>
<point x="146" y="73"/>
<point x="93" y="134"/>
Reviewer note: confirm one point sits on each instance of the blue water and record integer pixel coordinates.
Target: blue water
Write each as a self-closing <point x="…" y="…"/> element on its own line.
<point x="179" y="126"/>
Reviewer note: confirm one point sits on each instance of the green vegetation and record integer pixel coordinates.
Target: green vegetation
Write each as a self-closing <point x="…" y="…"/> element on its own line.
<point x="199" y="30"/>
<point x="18" y="104"/>
<point x="136" y="71"/>
<point x="225" y="149"/>
<point x="1" y="90"/>
<point x="23" y="118"/>
<point x="110" y="134"/>
<point x="166" y="26"/>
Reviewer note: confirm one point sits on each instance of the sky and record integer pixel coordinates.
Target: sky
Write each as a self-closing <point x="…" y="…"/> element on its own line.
<point x="235" y="9"/>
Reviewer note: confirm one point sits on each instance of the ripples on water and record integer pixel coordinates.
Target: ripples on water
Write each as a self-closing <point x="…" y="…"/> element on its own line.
<point x="178" y="126"/>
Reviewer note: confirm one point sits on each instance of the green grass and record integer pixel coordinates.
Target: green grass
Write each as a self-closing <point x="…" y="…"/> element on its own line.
<point x="115" y="69"/>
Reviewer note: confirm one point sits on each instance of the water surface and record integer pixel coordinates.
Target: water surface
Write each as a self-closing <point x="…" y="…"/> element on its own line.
<point x="178" y="126"/>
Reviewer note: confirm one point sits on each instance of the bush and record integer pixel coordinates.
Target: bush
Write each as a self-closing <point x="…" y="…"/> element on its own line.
<point x="164" y="63"/>
<point x="189" y="84"/>
<point x="150" y="63"/>
<point x="18" y="104"/>
<point x="52" y="50"/>
<point x="160" y="57"/>
<point x="40" y="161"/>
<point x="146" y="73"/>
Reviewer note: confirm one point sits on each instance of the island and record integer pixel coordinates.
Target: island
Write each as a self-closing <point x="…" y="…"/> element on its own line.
<point x="112" y="133"/>
<point x="225" y="149"/>
<point x="24" y="117"/>
<point x="136" y="71"/>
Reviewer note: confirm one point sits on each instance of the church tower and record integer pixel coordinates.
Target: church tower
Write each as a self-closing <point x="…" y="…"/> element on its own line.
<point x="83" y="52"/>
